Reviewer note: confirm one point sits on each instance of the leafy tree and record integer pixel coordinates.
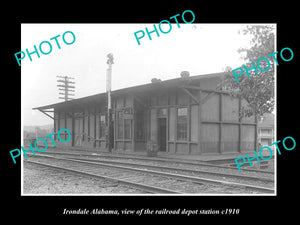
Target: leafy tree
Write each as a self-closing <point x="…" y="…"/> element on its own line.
<point x="258" y="90"/>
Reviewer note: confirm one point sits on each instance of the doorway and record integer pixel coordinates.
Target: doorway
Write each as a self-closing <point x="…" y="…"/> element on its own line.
<point x="77" y="140"/>
<point x="162" y="134"/>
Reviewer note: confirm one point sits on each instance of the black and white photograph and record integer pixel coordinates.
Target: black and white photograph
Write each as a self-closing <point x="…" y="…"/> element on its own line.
<point x="116" y="109"/>
<point x="121" y="111"/>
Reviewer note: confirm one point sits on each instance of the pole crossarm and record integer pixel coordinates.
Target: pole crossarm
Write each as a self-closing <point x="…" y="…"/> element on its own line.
<point x="65" y="87"/>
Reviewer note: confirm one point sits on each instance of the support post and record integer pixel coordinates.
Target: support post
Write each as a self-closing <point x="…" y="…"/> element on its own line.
<point x="256" y="132"/>
<point x="200" y="145"/>
<point x="221" y="125"/>
<point x="44" y="112"/>
<point x="240" y="126"/>
<point x="110" y="61"/>
<point x="190" y="94"/>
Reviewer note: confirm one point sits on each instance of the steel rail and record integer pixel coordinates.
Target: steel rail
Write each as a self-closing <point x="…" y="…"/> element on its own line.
<point x="177" y="176"/>
<point x="189" y="162"/>
<point x="148" y="188"/>
<point x="239" y="176"/>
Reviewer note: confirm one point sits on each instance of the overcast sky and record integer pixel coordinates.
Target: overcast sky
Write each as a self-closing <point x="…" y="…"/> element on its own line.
<point x="197" y="48"/>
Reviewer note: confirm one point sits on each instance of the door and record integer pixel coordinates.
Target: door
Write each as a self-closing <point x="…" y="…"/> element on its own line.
<point x="162" y="134"/>
<point x="78" y="131"/>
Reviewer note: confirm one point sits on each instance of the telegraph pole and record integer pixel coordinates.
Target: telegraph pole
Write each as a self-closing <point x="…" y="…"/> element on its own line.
<point x="66" y="87"/>
<point x="110" y="61"/>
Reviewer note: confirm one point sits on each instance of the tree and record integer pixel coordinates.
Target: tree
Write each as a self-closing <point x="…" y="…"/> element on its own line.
<point x="258" y="90"/>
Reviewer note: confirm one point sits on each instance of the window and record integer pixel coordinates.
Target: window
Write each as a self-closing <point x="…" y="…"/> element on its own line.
<point x="120" y="125"/>
<point x="162" y="112"/>
<point x="123" y="125"/>
<point x="182" y="123"/>
<point x="102" y="126"/>
<point x="265" y="131"/>
<point x="127" y="131"/>
<point x="140" y="127"/>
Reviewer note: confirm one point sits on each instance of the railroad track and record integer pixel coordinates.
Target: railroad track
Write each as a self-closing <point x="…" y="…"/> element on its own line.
<point x="162" y="160"/>
<point x="222" y="172"/>
<point x="147" y="188"/>
<point x="152" y="181"/>
<point x="181" y="170"/>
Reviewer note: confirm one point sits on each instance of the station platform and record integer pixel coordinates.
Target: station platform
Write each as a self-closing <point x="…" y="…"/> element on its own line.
<point x="209" y="158"/>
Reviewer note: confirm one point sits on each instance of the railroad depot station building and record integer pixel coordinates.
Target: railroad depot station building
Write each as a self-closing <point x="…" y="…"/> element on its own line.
<point x="185" y="115"/>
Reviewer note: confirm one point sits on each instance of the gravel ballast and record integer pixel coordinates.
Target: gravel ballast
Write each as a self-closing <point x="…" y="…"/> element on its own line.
<point x="40" y="180"/>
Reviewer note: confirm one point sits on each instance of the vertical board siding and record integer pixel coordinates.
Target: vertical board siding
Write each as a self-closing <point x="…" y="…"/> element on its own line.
<point x="194" y="123"/>
<point x="128" y="101"/>
<point x="230" y="108"/>
<point x="211" y="108"/>
<point x="214" y="125"/>
<point x="119" y="102"/>
<point x="248" y="138"/>
<point x="153" y="122"/>
<point x="182" y="98"/>
<point x="250" y="119"/>
<point x="97" y="126"/>
<point x="172" y="98"/>
<point x="194" y="149"/>
<point x="163" y="100"/>
<point x="209" y="83"/>
<point x="171" y="147"/>
<point x="69" y="124"/>
<point x="182" y="148"/>
<point x="230" y="138"/>
<point x="92" y="126"/>
<point x="61" y="120"/>
<point x="210" y="137"/>
<point x="56" y="125"/>
<point x="172" y="124"/>
<point x="85" y="130"/>
<point x="78" y="131"/>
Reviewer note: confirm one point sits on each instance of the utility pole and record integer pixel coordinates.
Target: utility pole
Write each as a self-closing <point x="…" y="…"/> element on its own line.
<point x="66" y="87"/>
<point x="110" y="61"/>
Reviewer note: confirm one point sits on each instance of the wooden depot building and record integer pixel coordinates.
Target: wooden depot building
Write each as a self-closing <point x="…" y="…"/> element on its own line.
<point x="185" y="115"/>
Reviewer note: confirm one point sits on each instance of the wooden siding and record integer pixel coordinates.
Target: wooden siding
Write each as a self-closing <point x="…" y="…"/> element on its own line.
<point x="211" y="108"/>
<point x="124" y="103"/>
<point x="230" y="138"/>
<point x="172" y="123"/>
<point x="230" y="108"/>
<point x="210" y="138"/>
<point x="194" y="123"/>
<point x="250" y="119"/>
<point x="214" y="123"/>
<point x="248" y="138"/>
